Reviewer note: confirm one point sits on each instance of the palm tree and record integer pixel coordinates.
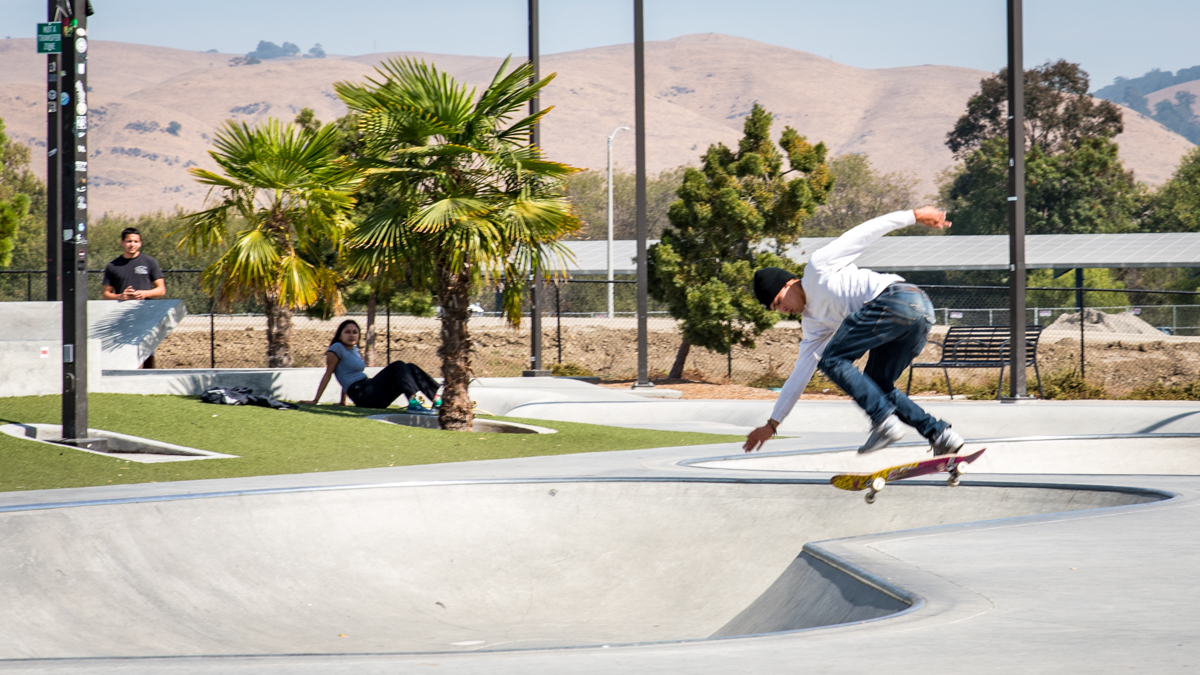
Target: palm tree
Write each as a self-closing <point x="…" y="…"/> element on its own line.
<point x="470" y="200"/>
<point x="285" y="197"/>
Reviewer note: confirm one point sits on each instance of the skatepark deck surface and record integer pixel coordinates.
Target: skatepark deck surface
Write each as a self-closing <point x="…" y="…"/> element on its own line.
<point x="640" y="561"/>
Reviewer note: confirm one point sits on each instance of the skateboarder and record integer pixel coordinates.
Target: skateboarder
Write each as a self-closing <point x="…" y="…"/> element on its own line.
<point x="846" y="312"/>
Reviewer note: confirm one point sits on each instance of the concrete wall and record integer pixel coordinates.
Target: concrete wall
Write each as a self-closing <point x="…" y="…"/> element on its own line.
<point x="121" y="335"/>
<point x="24" y="371"/>
<point x="128" y="331"/>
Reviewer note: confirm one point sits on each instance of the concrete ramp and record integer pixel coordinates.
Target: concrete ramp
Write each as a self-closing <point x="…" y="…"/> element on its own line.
<point x="457" y="567"/>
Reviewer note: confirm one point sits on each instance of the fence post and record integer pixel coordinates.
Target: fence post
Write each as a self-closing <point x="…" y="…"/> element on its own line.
<point x="558" y="318"/>
<point x="389" y="331"/>
<point x="1079" y="305"/>
<point x="212" y="336"/>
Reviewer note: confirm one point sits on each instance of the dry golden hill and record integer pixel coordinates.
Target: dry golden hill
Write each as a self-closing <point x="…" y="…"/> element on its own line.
<point x="700" y="87"/>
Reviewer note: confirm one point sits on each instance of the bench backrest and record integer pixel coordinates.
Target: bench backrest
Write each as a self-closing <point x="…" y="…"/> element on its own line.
<point x="986" y="343"/>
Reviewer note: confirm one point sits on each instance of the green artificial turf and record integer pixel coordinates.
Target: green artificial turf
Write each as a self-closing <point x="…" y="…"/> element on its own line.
<point x="269" y="442"/>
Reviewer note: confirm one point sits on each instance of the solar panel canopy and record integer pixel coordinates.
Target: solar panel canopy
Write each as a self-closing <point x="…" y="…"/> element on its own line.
<point x="937" y="253"/>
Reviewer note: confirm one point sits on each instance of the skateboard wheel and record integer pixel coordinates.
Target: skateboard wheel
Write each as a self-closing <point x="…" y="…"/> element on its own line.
<point x="954" y="481"/>
<point x="878" y="483"/>
<point x="870" y="497"/>
<point x="960" y="468"/>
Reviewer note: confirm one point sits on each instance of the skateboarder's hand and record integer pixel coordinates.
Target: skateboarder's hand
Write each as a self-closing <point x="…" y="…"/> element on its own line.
<point x="931" y="217"/>
<point x="756" y="438"/>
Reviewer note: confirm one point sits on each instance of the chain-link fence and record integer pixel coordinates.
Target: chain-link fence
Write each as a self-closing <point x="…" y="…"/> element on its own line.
<point x="30" y="285"/>
<point x="1130" y="342"/>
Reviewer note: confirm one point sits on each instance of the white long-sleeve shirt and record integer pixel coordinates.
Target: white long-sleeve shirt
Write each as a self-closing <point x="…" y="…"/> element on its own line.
<point x="835" y="288"/>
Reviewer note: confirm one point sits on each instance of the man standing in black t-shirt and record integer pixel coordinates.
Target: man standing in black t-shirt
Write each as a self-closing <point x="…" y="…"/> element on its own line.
<point x="136" y="274"/>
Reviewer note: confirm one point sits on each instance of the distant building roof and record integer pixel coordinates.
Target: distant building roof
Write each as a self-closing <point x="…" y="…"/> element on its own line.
<point x="934" y="253"/>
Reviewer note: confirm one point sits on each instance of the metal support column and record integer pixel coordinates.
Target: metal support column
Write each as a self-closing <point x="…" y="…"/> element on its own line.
<point x="1016" y="198"/>
<point x="639" y="125"/>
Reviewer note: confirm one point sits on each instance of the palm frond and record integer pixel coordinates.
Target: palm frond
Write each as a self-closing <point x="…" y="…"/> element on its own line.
<point x="440" y="214"/>
<point x="298" y="282"/>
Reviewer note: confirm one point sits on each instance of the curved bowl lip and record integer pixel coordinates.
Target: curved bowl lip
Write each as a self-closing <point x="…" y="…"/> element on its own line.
<point x="692" y="463"/>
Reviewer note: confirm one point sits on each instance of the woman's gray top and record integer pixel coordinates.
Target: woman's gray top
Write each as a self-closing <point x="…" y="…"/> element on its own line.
<point x="350" y="366"/>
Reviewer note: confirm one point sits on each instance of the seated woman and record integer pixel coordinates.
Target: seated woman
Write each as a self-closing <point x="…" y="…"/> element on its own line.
<point x="343" y="361"/>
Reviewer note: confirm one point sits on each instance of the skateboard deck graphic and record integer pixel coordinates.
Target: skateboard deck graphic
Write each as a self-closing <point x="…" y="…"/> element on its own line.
<point x="873" y="482"/>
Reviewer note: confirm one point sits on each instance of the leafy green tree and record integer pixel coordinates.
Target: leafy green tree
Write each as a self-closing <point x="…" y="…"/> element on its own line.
<point x="281" y="187"/>
<point x="22" y="206"/>
<point x="728" y="211"/>
<point x="270" y="50"/>
<point x="12" y="212"/>
<point x="1175" y="207"/>
<point x="1074" y="180"/>
<point x="1059" y="113"/>
<point x="588" y="192"/>
<point x="467" y="197"/>
<point x="861" y="193"/>
<point x="1179" y="116"/>
<point x="1092" y="278"/>
<point x="1084" y="190"/>
<point x="1132" y="92"/>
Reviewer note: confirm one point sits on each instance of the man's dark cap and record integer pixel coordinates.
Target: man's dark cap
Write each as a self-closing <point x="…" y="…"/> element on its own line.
<point x="768" y="282"/>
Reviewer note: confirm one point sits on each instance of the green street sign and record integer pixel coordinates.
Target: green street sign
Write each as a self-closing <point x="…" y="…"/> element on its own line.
<point x="49" y="38"/>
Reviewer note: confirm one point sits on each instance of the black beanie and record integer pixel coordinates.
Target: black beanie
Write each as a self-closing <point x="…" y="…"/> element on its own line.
<point x="768" y="282"/>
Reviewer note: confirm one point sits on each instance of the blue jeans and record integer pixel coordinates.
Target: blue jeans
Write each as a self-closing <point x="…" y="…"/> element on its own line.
<point x="893" y="327"/>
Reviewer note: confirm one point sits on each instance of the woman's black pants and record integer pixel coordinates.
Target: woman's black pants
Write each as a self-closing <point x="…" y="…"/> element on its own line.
<point x="388" y="384"/>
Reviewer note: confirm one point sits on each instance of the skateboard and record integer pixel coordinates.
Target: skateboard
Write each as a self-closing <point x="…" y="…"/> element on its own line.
<point x="955" y="465"/>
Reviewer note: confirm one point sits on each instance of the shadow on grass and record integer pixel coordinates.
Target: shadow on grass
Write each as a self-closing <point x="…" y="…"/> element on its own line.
<point x="345" y="410"/>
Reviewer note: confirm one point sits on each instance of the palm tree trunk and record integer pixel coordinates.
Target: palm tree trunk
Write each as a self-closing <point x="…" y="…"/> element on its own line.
<point x="680" y="359"/>
<point x="279" y="333"/>
<point x="455" y="351"/>
<point x="369" y="342"/>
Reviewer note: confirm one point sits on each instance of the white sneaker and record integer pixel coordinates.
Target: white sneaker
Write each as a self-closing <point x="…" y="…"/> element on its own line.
<point x="946" y="443"/>
<point x="883" y="434"/>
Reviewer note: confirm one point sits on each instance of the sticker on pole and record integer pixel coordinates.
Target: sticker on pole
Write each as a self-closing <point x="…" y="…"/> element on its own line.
<point x="49" y="38"/>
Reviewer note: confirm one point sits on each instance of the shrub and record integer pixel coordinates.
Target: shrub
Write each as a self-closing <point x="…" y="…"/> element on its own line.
<point x="1068" y="385"/>
<point x="1158" y="391"/>
<point x="570" y="370"/>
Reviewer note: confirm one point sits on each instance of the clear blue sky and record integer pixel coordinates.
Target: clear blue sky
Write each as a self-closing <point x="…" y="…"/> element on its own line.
<point x="1108" y="37"/>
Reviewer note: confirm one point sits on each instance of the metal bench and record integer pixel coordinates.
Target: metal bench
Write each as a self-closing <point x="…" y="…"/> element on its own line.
<point x="982" y="347"/>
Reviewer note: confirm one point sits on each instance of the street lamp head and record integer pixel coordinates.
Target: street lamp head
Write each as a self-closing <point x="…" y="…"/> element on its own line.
<point x="614" y="133"/>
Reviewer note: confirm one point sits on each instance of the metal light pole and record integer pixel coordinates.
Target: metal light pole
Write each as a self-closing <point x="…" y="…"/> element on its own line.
<point x="610" y="221"/>
<point x="639" y="125"/>
<point x="1016" y="198"/>
<point x="535" y="318"/>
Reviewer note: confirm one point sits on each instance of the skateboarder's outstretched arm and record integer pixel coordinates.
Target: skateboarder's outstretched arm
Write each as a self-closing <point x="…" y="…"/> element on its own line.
<point x="806" y="364"/>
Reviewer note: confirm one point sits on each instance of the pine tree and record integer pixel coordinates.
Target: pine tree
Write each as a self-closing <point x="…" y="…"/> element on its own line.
<point x="734" y="215"/>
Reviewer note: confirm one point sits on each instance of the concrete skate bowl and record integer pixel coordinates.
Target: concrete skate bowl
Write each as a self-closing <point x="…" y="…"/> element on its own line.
<point x="460" y="566"/>
<point x="1109" y="454"/>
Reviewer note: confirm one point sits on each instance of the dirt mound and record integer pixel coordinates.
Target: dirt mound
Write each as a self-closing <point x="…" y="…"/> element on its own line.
<point x="1101" y="322"/>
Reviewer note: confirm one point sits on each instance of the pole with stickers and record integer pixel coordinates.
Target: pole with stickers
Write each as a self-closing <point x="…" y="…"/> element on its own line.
<point x="49" y="42"/>
<point x="72" y="188"/>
